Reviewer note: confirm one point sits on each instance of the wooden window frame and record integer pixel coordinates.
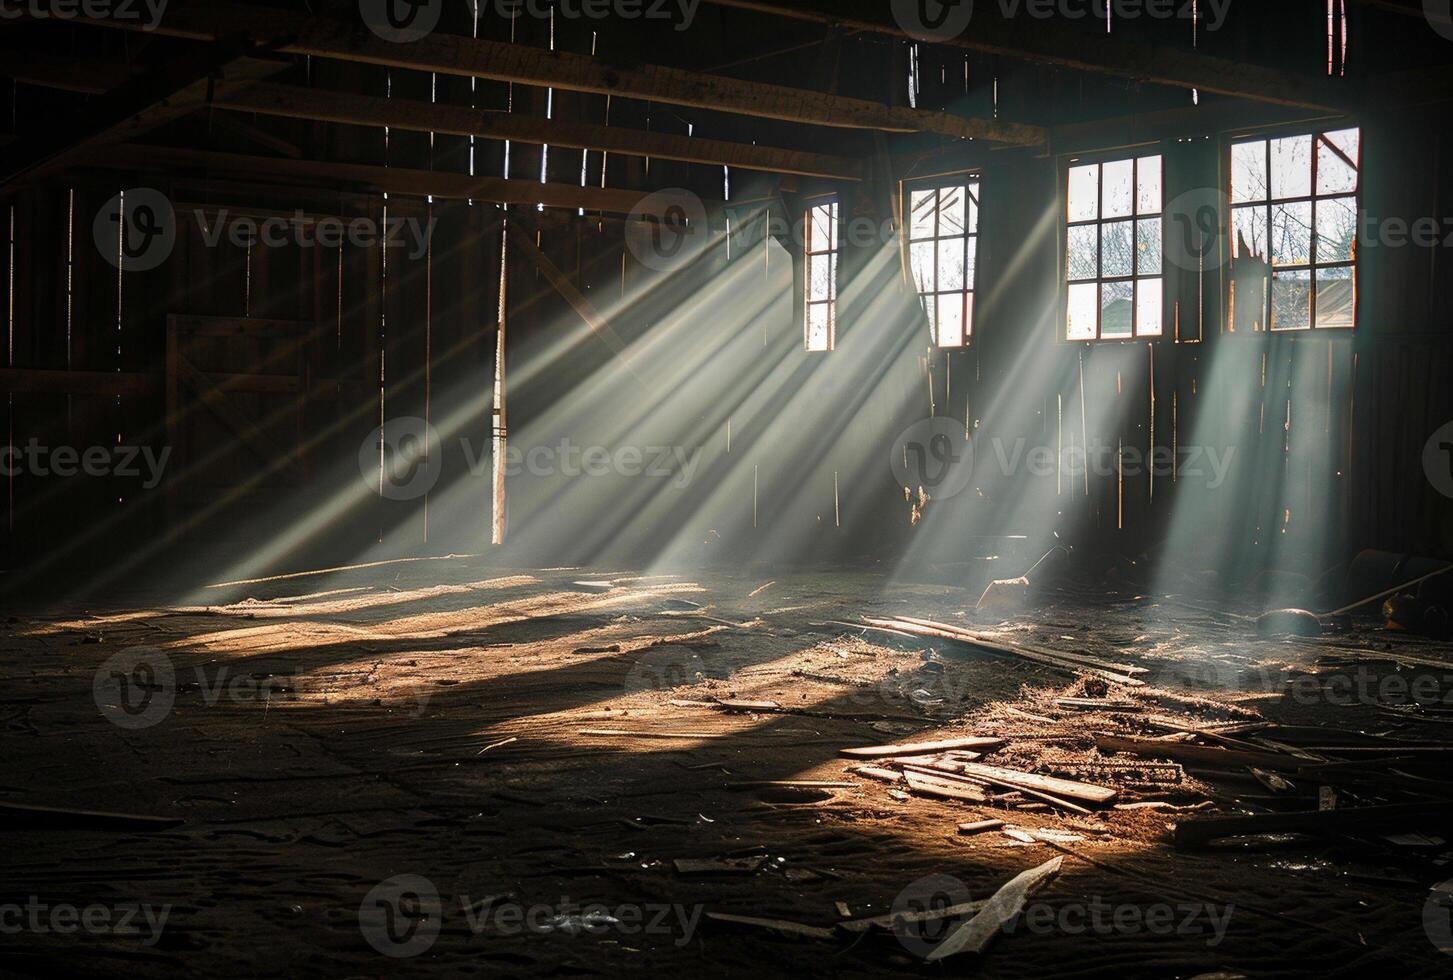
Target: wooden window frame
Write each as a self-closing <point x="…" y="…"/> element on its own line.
<point x="810" y="252"/>
<point x="1267" y="204"/>
<point x="971" y="183"/>
<point x="1135" y="217"/>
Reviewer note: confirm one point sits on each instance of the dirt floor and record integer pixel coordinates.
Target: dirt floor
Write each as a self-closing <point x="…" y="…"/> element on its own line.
<point x="443" y="767"/>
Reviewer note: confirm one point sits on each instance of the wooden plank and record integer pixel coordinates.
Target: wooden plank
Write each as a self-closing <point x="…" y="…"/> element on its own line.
<point x="297" y="102"/>
<point x="291" y="32"/>
<point x="1015" y="779"/>
<point x="976" y="934"/>
<point x="1205" y="755"/>
<point x="973" y="743"/>
<point x="231" y="414"/>
<point x="393" y="180"/>
<point x="1041" y="41"/>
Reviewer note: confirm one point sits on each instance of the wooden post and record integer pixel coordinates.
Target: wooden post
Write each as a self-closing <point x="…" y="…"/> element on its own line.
<point x="500" y="430"/>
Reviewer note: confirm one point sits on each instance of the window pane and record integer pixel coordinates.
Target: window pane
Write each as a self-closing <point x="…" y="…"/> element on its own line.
<point x="1291" y="234"/>
<point x="1147" y="186"/>
<point x="1291" y="295"/>
<point x="1336" y="298"/>
<point x="1117" y="249"/>
<point x="817" y="326"/>
<point x="1251" y="238"/>
<point x="1082" y="261"/>
<point x="1084" y="301"/>
<point x="1334" y="174"/>
<point x="1147" y="247"/>
<point x="951" y="211"/>
<point x="951" y="320"/>
<point x="1248" y="172"/>
<point x="925" y="210"/>
<point x="922" y="257"/>
<point x="951" y="263"/>
<point x="973" y="207"/>
<point x="1084" y="193"/>
<point x="1148" y="313"/>
<point x="1115" y="308"/>
<point x="1291" y="167"/>
<point x="819" y="269"/>
<point x="1119" y="189"/>
<point x="1349" y="141"/>
<point x="968" y="316"/>
<point x="824" y="231"/>
<point x="972" y="263"/>
<point x="1336" y="229"/>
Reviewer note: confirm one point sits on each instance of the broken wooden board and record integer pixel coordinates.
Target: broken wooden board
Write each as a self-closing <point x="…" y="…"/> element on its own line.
<point x="1215" y="757"/>
<point x="781" y="926"/>
<point x="923" y="748"/>
<point x="979" y="827"/>
<point x="1053" y="785"/>
<point x="976" y="934"/>
<point x="944" y="788"/>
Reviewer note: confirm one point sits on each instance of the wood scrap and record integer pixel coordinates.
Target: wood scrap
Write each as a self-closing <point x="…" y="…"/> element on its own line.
<point x="976" y="934"/>
<point x="979" y="826"/>
<point x="883" y="775"/>
<point x="622" y="733"/>
<point x="922" y="748"/>
<point x="896" y="920"/>
<point x="1051" y="785"/>
<point x="66" y="818"/>
<point x="781" y="926"/>
<point x="1186" y="752"/>
<point x="719" y="866"/>
<point x="944" y="788"/>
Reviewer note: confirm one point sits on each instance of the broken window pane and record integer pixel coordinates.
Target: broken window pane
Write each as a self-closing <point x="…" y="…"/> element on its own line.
<point x="1336" y="297"/>
<point x="1083" y="261"/>
<point x="1117" y="249"/>
<point x="972" y="205"/>
<point x="1335" y="175"/>
<point x="1119" y="189"/>
<point x="1248" y="172"/>
<point x="1251" y="238"/>
<point x="1084" y="196"/>
<point x="1147" y="186"/>
<point x="819" y="326"/>
<point x="1336" y="229"/>
<point x="1116" y="300"/>
<point x="1291" y="167"/>
<point x="1291" y="296"/>
<point x="1147" y="247"/>
<point x="1083" y="310"/>
<point x="1291" y="234"/>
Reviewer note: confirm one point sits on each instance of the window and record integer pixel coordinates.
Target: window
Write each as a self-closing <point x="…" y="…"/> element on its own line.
<point x="821" y="260"/>
<point x="1294" y="225"/>
<point x="943" y="248"/>
<point x="1113" y="250"/>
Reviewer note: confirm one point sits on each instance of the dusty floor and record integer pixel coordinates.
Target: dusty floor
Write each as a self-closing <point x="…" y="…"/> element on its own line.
<point x="520" y="747"/>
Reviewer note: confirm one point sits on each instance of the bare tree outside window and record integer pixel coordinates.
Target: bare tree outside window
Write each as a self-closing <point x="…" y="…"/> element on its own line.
<point x="1113" y="249"/>
<point x="943" y="252"/>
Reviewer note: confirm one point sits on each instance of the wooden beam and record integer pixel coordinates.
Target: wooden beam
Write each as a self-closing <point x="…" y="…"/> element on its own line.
<point x="176" y="89"/>
<point x="393" y="180"/>
<point x="36" y="381"/>
<point x="296" y="102"/>
<point x="1060" y="44"/>
<point x="290" y="32"/>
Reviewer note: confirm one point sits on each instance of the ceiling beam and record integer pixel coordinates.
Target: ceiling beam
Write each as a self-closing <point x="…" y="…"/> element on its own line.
<point x="291" y="32"/>
<point x="1059" y="44"/>
<point x="356" y="176"/>
<point x="296" y="102"/>
<point x="175" y="89"/>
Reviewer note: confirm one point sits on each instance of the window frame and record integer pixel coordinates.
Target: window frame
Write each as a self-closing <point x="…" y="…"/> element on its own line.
<point x="1134" y="155"/>
<point x="971" y="182"/>
<point x="834" y="251"/>
<point x="1267" y="204"/>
